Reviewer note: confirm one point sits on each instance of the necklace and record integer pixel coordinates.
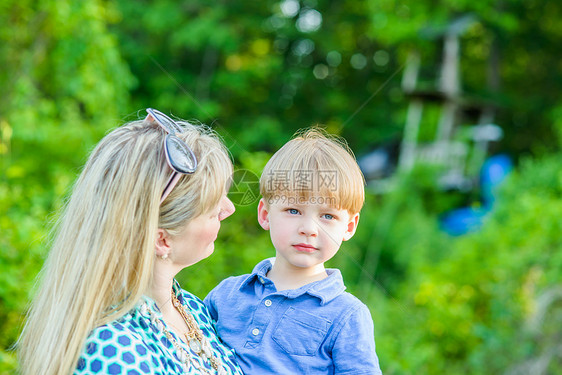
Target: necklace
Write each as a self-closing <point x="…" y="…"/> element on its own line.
<point x="194" y="338"/>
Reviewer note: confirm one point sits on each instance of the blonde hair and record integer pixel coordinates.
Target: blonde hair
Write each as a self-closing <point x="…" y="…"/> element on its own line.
<point x="102" y="256"/>
<point x="314" y="163"/>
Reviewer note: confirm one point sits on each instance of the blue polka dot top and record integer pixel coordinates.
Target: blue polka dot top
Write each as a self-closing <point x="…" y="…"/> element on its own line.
<point x="136" y="344"/>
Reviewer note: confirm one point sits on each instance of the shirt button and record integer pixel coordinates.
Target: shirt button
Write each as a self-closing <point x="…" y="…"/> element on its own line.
<point x="255" y="332"/>
<point x="262" y="280"/>
<point x="267" y="302"/>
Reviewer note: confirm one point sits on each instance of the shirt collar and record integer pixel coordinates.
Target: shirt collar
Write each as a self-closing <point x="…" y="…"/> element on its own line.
<point x="326" y="289"/>
<point x="259" y="273"/>
<point x="149" y="303"/>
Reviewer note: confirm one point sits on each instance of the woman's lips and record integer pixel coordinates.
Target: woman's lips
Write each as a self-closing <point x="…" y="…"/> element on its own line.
<point x="305" y="247"/>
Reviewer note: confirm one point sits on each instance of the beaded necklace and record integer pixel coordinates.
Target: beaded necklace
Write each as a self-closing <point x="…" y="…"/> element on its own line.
<point x="194" y="338"/>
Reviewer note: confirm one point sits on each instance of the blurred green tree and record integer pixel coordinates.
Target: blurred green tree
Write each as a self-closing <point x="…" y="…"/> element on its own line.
<point x="63" y="85"/>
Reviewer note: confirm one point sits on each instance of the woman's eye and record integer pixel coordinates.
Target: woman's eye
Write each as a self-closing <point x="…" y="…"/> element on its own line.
<point x="293" y="211"/>
<point x="328" y="216"/>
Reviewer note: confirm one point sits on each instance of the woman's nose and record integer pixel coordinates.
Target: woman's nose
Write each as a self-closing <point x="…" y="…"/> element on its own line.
<point x="227" y="208"/>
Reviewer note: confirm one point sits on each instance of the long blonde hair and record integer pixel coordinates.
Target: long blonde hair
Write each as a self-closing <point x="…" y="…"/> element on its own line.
<point x="102" y="255"/>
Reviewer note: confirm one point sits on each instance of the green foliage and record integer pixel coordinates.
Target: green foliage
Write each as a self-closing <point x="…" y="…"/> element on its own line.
<point x="482" y="305"/>
<point x="63" y="85"/>
<point x="249" y="70"/>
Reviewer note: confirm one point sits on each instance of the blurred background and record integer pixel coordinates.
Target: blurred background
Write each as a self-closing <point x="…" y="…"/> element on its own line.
<point x="452" y="108"/>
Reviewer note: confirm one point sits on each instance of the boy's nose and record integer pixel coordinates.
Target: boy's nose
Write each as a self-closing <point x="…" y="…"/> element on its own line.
<point x="308" y="228"/>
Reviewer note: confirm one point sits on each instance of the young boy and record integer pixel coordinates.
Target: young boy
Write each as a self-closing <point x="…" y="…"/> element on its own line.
<point x="291" y="315"/>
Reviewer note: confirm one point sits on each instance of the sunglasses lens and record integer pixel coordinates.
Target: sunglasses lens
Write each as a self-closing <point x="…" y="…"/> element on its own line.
<point x="179" y="156"/>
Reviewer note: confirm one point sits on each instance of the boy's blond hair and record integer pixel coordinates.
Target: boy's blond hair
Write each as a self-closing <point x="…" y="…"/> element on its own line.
<point x="314" y="164"/>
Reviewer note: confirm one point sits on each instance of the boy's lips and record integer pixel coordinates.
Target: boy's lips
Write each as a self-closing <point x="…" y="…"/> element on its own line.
<point x="305" y="247"/>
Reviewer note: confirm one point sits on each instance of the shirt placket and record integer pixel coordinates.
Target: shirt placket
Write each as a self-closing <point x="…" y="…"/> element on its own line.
<point x="264" y="312"/>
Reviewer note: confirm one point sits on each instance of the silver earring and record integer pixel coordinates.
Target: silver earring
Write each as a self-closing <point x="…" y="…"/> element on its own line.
<point x="164" y="257"/>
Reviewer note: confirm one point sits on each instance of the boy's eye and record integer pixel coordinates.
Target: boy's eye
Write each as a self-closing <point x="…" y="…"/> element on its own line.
<point x="329" y="216"/>
<point x="293" y="211"/>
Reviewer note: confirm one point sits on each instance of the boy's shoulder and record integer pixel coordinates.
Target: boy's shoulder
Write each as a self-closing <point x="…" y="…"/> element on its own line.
<point x="349" y="303"/>
<point x="335" y="292"/>
<point x="233" y="282"/>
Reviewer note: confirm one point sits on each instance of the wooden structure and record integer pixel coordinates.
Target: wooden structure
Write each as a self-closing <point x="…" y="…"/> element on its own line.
<point x="461" y="160"/>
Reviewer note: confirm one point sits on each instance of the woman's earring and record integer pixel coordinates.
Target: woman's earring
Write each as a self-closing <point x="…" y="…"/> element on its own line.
<point x="164" y="257"/>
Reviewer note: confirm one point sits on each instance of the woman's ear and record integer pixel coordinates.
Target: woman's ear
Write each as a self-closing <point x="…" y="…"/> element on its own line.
<point x="163" y="246"/>
<point x="263" y="214"/>
<point x="351" y="227"/>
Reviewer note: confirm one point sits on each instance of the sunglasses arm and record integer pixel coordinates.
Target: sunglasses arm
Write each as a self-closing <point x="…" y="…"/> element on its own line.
<point x="172" y="181"/>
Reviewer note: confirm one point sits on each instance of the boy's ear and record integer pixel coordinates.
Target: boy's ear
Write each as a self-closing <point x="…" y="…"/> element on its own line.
<point x="263" y="214"/>
<point x="351" y="227"/>
<point x="163" y="243"/>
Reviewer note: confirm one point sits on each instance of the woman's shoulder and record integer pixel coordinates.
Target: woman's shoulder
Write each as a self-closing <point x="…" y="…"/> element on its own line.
<point x="123" y="330"/>
<point x="115" y="347"/>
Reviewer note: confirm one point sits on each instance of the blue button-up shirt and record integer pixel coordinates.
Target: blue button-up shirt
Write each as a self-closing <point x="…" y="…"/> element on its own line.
<point x="316" y="329"/>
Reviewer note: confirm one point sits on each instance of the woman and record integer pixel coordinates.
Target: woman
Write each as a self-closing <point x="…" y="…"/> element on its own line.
<point x="148" y="203"/>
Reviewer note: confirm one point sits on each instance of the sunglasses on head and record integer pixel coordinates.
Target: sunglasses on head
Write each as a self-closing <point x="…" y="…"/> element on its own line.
<point x="179" y="156"/>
